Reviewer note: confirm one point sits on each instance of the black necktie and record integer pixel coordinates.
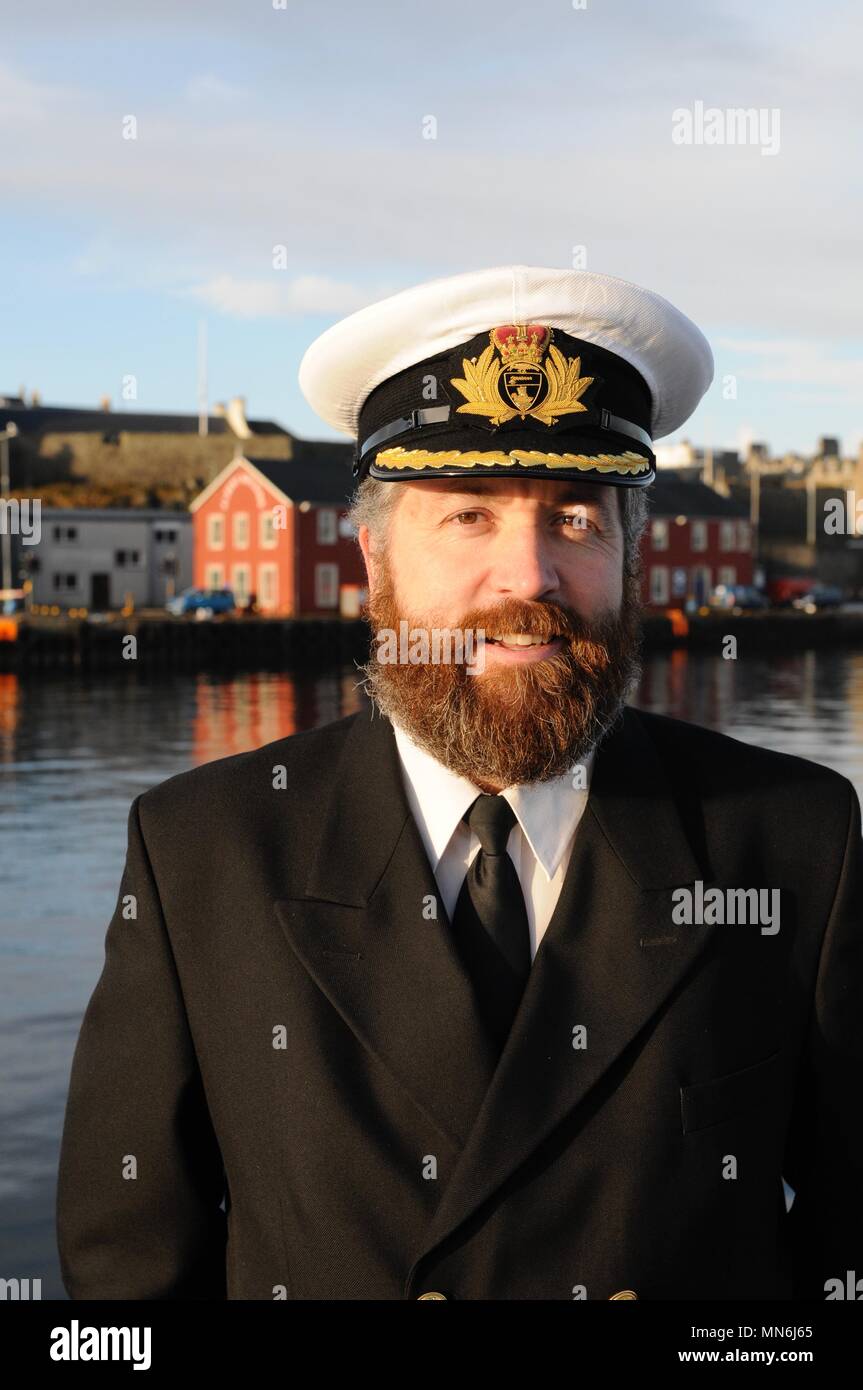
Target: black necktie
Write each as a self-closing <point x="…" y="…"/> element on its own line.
<point x="490" y="925"/>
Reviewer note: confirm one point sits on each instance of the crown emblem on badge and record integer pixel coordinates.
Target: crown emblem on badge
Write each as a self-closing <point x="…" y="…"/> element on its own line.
<point x="510" y="377"/>
<point x="521" y="343"/>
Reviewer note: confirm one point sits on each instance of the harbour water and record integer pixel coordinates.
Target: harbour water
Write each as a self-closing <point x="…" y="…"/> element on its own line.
<point x="75" y="751"/>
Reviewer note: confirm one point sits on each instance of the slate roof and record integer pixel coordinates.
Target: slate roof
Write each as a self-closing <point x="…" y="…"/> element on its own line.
<point x="318" y="472"/>
<point x="61" y="419"/>
<point x="671" y="496"/>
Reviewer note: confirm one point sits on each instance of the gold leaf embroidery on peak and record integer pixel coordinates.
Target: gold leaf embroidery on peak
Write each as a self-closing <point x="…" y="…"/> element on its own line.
<point x="398" y="458"/>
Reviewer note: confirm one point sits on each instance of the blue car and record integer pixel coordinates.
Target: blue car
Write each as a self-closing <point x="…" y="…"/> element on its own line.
<point x="201" y="601"/>
<point x="738" y="598"/>
<point x="819" y="597"/>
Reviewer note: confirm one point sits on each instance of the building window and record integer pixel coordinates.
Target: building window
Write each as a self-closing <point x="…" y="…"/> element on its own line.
<point x="163" y="537"/>
<point x="727" y="575"/>
<point x="241" y="530"/>
<point x="214" y="577"/>
<point x="216" y="532"/>
<point x="65" y="534"/>
<point x="727" y="530"/>
<point x="699" y="535"/>
<point x="679" y="582"/>
<point x="268" y="586"/>
<point x="659" y="583"/>
<point x="130" y="558"/>
<point x="701" y="583"/>
<point x="744" y="536"/>
<point x="65" y="582"/>
<point x="267" y="531"/>
<point x="326" y="586"/>
<point x="241" y="581"/>
<point x="659" y="534"/>
<point x="327" y="526"/>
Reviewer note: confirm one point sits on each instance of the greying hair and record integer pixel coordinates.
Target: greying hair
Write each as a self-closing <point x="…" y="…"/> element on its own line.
<point x="374" y="503"/>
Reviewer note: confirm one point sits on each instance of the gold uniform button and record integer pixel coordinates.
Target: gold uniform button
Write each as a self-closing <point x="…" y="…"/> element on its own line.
<point x="421" y="1296"/>
<point x="624" y="1293"/>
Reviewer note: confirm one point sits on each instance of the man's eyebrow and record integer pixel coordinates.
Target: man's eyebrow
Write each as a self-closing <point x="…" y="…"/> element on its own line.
<point x="579" y="492"/>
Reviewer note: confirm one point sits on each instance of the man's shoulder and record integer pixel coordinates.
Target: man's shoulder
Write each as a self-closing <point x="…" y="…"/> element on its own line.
<point x="308" y="758"/>
<point x="721" y="760"/>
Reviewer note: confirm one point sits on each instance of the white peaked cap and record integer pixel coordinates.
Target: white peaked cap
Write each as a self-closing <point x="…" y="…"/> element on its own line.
<point x="349" y="360"/>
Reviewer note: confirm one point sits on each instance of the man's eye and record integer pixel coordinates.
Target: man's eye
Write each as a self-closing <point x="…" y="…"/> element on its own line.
<point x="577" y="521"/>
<point x="471" y="516"/>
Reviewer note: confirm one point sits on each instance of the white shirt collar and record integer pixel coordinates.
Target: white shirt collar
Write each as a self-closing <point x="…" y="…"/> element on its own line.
<point x="547" y="812"/>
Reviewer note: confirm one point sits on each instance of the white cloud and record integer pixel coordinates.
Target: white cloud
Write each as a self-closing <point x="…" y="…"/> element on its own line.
<point x="305" y="294"/>
<point x="207" y="87"/>
<point x="803" y="362"/>
<point x="24" y="100"/>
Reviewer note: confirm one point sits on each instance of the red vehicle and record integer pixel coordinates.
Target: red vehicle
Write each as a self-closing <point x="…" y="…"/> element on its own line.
<point x="782" y="592"/>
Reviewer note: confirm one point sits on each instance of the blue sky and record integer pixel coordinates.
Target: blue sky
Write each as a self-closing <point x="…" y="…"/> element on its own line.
<point x="302" y="127"/>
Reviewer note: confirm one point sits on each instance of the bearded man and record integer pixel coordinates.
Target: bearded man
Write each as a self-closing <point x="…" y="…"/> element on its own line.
<point x="479" y="998"/>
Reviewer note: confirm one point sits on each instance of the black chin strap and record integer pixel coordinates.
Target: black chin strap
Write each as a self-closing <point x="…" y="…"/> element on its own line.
<point x="431" y="415"/>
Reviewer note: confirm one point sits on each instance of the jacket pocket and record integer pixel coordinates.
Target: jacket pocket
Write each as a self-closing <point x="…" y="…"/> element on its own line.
<point x="710" y="1102"/>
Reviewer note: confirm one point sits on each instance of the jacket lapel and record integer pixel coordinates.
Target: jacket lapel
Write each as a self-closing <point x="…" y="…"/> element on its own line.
<point x="359" y="929"/>
<point x="610" y="957"/>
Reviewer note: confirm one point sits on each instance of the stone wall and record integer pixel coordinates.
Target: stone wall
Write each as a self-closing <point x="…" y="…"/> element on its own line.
<point x="185" y="462"/>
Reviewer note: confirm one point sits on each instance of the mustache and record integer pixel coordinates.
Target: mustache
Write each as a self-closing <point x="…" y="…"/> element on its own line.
<point x="545" y="620"/>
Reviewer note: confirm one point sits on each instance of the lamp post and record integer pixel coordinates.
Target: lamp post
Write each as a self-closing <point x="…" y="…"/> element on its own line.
<point x="9" y="432"/>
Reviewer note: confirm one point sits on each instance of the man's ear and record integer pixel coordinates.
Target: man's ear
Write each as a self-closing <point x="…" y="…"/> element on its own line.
<point x="365" y="546"/>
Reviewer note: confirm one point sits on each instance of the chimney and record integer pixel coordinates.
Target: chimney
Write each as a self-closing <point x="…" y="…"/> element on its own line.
<point x="236" y="417"/>
<point x="104" y="402"/>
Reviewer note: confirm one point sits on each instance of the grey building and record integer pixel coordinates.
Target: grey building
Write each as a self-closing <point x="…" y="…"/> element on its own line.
<point x="92" y="557"/>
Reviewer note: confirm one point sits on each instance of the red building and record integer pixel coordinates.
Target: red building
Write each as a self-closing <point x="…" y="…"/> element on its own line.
<point x="695" y="539"/>
<point x="278" y="529"/>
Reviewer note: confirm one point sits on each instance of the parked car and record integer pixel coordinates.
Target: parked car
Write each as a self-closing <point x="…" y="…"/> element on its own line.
<point x="201" y="601"/>
<point x="819" y="597"/>
<point x="783" y="591"/>
<point x="738" y="598"/>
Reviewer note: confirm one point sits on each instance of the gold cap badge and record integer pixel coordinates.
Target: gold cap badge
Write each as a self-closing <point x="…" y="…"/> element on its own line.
<point x="510" y="378"/>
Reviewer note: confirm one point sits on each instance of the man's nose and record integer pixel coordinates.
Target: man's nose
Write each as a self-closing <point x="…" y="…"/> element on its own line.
<point x="524" y="566"/>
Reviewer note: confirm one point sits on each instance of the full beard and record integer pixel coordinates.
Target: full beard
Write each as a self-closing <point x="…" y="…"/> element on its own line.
<point x="516" y="722"/>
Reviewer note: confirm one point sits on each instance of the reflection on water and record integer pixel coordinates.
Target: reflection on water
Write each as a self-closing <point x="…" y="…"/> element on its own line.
<point x="74" y="752"/>
<point x="809" y="703"/>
